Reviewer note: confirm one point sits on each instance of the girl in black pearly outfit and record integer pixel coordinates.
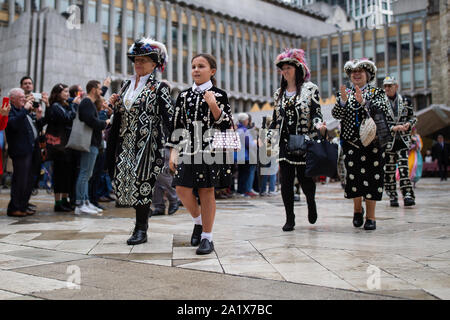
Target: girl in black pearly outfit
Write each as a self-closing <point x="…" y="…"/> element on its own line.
<point x="199" y="109"/>
<point x="297" y="112"/>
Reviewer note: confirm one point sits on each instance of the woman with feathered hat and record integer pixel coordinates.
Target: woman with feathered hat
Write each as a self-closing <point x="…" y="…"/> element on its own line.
<point x="297" y="112"/>
<point x="364" y="159"/>
<point x="141" y="109"/>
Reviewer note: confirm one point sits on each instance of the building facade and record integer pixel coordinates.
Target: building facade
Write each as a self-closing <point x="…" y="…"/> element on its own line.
<point x="245" y="49"/>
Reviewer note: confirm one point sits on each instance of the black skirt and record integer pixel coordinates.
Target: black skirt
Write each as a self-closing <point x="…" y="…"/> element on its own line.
<point x="197" y="176"/>
<point x="365" y="170"/>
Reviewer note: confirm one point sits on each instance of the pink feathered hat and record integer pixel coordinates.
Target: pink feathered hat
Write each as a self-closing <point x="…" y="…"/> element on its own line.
<point x="294" y="57"/>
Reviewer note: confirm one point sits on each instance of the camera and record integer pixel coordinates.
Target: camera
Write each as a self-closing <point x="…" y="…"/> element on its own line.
<point x="37" y="96"/>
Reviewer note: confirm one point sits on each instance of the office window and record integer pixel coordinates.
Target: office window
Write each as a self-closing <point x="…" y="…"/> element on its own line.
<point x="324" y="58"/>
<point x="324" y="88"/>
<point x="335" y="57"/>
<point x="357" y="50"/>
<point x="380" y="51"/>
<point x="405" y="46"/>
<point x="313" y="60"/>
<point x="392" y="47"/>
<point x="406" y="76"/>
<point x="117" y="21"/>
<point x="130" y="23"/>
<point x="369" y="50"/>
<point x="345" y="54"/>
<point x="419" y="75"/>
<point x="105" y="18"/>
<point x="418" y="44"/>
<point x="141" y="25"/>
<point x="92" y="11"/>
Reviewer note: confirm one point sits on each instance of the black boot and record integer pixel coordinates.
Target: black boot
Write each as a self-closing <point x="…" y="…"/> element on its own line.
<point x="140" y="231"/>
<point x="312" y="211"/>
<point x="290" y="222"/>
<point x="139" y="235"/>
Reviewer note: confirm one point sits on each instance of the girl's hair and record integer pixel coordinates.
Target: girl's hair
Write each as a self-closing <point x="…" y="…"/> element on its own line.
<point x="55" y="94"/>
<point x="99" y="103"/>
<point x="211" y="61"/>
<point x="299" y="80"/>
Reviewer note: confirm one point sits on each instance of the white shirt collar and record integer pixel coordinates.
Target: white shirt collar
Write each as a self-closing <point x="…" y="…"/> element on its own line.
<point x="203" y="87"/>
<point x="142" y="79"/>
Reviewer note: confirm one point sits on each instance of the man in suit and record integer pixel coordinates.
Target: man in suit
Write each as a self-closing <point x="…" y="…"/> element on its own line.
<point x="441" y="152"/>
<point x="402" y="118"/>
<point x="22" y="134"/>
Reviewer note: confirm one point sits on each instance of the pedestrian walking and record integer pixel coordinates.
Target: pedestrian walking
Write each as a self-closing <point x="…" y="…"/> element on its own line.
<point x="364" y="164"/>
<point x="441" y="152"/>
<point x="297" y="112"/>
<point x="199" y="109"/>
<point x="141" y="109"/>
<point x="402" y="118"/>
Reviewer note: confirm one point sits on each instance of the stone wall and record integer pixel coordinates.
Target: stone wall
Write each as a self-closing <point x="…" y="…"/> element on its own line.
<point x="440" y="52"/>
<point x="14" y="51"/>
<point x="43" y="47"/>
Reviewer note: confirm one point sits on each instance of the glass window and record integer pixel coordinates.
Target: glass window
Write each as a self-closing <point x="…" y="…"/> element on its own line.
<point x="130" y="20"/>
<point x="105" y="18"/>
<point x="64" y="4"/>
<point x="419" y="75"/>
<point x="118" y="57"/>
<point x="324" y="59"/>
<point x="313" y="60"/>
<point x="380" y="51"/>
<point x="92" y="11"/>
<point x="35" y="5"/>
<point x="140" y="25"/>
<point x="406" y="77"/>
<point x="20" y="6"/>
<point x="117" y="21"/>
<point x="152" y="22"/>
<point x="392" y="47"/>
<point x="393" y="71"/>
<point x="357" y="51"/>
<point x="345" y="54"/>
<point x="380" y="77"/>
<point x="334" y="57"/>
<point x="368" y="50"/>
<point x="405" y="46"/>
<point x="324" y="88"/>
<point x="418" y="44"/>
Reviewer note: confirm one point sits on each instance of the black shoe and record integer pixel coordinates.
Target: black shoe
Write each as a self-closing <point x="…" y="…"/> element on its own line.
<point x="370" y="225"/>
<point x="205" y="247"/>
<point x="358" y="218"/>
<point x="394" y="203"/>
<point x="408" y="202"/>
<point x="196" y="235"/>
<point x="290" y="223"/>
<point x="297" y="197"/>
<point x="158" y="212"/>
<point x="312" y="212"/>
<point x="139" y="236"/>
<point x="173" y="208"/>
<point x="60" y="208"/>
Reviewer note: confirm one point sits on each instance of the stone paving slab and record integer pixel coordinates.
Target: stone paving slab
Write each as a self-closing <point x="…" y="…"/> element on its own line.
<point x="409" y="252"/>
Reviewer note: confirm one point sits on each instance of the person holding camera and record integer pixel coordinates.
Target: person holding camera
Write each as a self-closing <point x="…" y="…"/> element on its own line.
<point x="22" y="136"/>
<point x="39" y="100"/>
<point x="297" y="112"/>
<point x="364" y="163"/>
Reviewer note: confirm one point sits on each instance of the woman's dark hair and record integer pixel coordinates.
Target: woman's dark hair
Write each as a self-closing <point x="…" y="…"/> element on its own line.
<point x="299" y="80"/>
<point x="55" y="94"/>
<point x="211" y="61"/>
<point x="73" y="90"/>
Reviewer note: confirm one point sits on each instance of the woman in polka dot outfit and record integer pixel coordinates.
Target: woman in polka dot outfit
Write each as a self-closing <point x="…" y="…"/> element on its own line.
<point x="297" y="112"/>
<point x="199" y="109"/>
<point x="364" y="165"/>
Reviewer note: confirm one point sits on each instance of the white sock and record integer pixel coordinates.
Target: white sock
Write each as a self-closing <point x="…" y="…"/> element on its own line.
<point x="198" y="220"/>
<point x="207" y="235"/>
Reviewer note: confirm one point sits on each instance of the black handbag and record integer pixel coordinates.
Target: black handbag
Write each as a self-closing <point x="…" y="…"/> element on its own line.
<point x="297" y="144"/>
<point x="321" y="158"/>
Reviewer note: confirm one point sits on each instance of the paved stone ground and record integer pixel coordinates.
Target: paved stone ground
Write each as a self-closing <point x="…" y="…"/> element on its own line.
<point x="42" y="255"/>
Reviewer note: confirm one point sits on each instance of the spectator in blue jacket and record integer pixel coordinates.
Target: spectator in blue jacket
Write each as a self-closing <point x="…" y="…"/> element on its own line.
<point x="22" y="134"/>
<point x="246" y="158"/>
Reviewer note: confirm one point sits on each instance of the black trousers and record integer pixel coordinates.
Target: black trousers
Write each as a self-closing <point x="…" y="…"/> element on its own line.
<point x="442" y="170"/>
<point x="96" y="179"/>
<point x="21" y="183"/>
<point x="63" y="178"/>
<point x="288" y="172"/>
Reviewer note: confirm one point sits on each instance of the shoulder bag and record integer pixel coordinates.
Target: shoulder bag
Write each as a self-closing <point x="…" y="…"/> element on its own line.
<point x="80" y="137"/>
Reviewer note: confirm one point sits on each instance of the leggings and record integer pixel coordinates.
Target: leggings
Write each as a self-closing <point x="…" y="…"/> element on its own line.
<point x="287" y="175"/>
